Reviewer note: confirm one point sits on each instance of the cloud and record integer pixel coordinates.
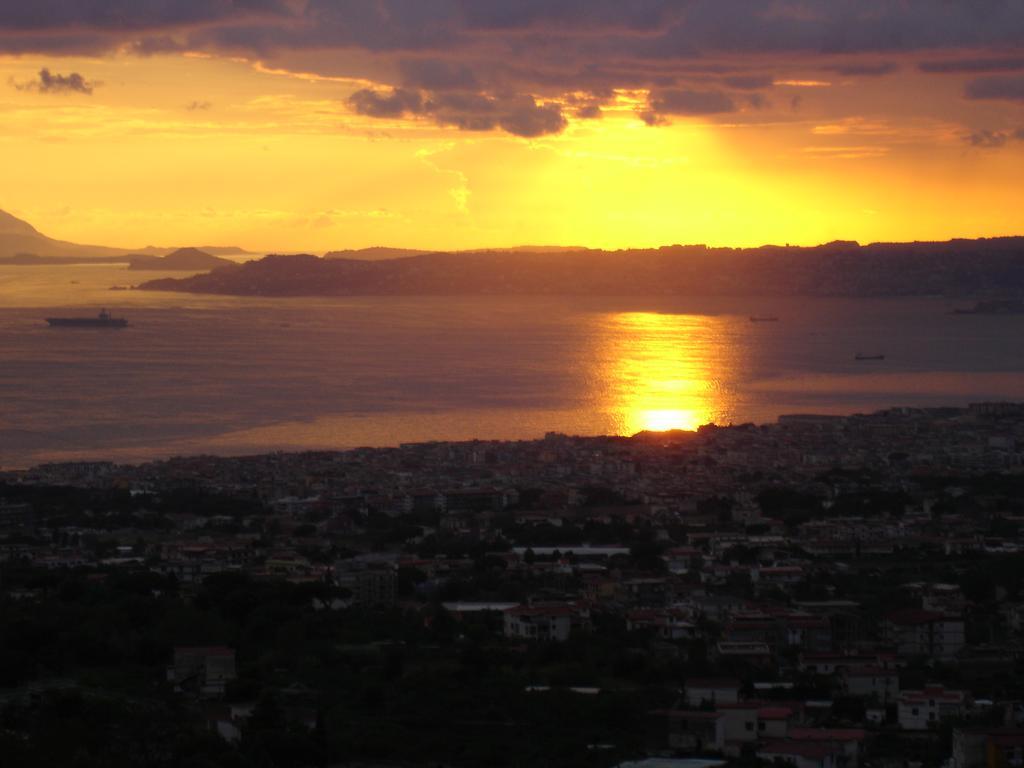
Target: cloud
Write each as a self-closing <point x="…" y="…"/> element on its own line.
<point x="1005" y="88"/>
<point x="126" y="15"/>
<point x="518" y="114"/>
<point x="863" y="69"/>
<point x="987" y="139"/>
<point x="522" y="116"/>
<point x="749" y="82"/>
<point x="436" y="75"/>
<point x="756" y="101"/>
<point x="973" y="66"/>
<point x="395" y="103"/>
<point x="198" y="106"/>
<point x="683" y="102"/>
<point x="524" y="57"/>
<point x="50" y="82"/>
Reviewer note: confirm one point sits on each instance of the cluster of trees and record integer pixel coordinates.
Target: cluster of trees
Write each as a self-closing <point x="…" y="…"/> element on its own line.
<point x="84" y="662"/>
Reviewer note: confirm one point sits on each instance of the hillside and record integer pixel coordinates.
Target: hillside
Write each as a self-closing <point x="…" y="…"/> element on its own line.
<point x="985" y="267"/>
<point x="380" y="253"/>
<point x="19" y="238"/>
<point x="375" y="253"/>
<point x="184" y="259"/>
<point x="21" y="243"/>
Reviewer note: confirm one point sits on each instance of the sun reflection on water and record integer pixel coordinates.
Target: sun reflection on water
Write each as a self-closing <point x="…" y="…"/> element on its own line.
<point x="665" y="371"/>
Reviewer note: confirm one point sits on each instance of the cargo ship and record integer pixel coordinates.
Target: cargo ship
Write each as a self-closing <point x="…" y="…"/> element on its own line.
<point x="102" y="320"/>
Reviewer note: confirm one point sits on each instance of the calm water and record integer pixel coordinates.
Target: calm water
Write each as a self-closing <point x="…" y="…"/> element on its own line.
<point x="213" y="374"/>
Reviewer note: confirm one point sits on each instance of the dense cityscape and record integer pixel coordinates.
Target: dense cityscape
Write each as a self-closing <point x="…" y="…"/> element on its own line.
<point x="821" y="592"/>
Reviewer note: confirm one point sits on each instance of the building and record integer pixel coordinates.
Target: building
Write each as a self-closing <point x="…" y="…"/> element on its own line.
<point x="371" y="583"/>
<point x="846" y="743"/>
<point x="693" y="731"/>
<point x="871" y="682"/>
<point x="552" y="622"/>
<point x="924" y="709"/>
<point x="204" y="669"/>
<point x="921" y="632"/>
<point x="14" y="514"/>
<point x="712" y="691"/>
<point x="800" y="754"/>
<point x="739" y="724"/>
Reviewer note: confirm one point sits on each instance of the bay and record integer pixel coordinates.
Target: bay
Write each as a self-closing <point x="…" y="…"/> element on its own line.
<point x="209" y="374"/>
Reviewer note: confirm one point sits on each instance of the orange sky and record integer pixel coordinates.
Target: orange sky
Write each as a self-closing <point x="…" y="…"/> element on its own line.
<point x="211" y="145"/>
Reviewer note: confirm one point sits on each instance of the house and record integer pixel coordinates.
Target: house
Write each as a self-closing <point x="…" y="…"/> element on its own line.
<point x="739" y="724"/>
<point x="668" y="623"/>
<point x="829" y="663"/>
<point x="552" y="621"/>
<point x="203" y="669"/>
<point x="758" y="654"/>
<point x="919" y="632"/>
<point x="846" y="742"/>
<point x="774" y="721"/>
<point x="924" y="709"/>
<point x="370" y="582"/>
<point x="714" y="691"/>
<point x="871" y="682"/>
<point x="693" y="731"/>
<point x="800" y="754"/>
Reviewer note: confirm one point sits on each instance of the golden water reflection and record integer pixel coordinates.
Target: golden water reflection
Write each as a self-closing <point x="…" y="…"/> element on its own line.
<point x="666" y="371"/>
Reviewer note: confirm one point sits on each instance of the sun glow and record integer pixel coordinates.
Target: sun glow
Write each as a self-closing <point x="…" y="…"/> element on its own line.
<point x="665" y="371"/>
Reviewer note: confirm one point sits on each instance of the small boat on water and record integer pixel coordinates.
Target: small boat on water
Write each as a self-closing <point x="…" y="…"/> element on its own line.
<point x="103" y="320"/>
<point x="859" y="356"/>
<point x="764" y="319"/>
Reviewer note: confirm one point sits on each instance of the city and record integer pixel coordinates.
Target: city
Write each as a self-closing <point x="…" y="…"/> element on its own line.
<point x="823" y="591"/>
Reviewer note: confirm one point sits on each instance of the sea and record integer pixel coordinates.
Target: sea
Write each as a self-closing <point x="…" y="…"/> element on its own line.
<point x="222" y="375"/>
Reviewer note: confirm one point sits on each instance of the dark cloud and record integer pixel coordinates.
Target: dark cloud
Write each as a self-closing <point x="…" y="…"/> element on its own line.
<point x="652" y="118"/>
<point x="198" y="106"/>
<point x="584" y="29"/>
<point x="154" y="45"/>
<point x="436" y="75"/>
<point x="50" y="82"/>
<point x="683" y="102"/>
<point x="863" y="69"/>
<point x="395" y="103"/>
<point x="589" y="112"/>
<point x="123" y="15"/>
<point x="522" y="116"/>
<point x="973" y="66"/>
<point x="757" y="100"/>
<point x="1005" y="88"/>
<point x="541" y="51"/>
<point x="518" y="114"/>
<point x="635" y="15"/>
<point x="749" y="82"/>
<point x="987" y="139"/>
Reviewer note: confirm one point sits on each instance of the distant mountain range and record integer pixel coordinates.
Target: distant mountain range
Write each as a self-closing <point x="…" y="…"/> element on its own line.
<point x="379" y="253"/>
<point x="964" y="268"/>
<point x="21" y="243"/>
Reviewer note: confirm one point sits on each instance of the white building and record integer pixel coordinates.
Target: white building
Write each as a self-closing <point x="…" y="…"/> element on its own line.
<point x="540" y="622"/>
<point x="921" y="710"/>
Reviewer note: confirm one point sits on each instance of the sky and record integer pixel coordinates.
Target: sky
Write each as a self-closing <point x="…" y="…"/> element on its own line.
<point x="312" y="125"/>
